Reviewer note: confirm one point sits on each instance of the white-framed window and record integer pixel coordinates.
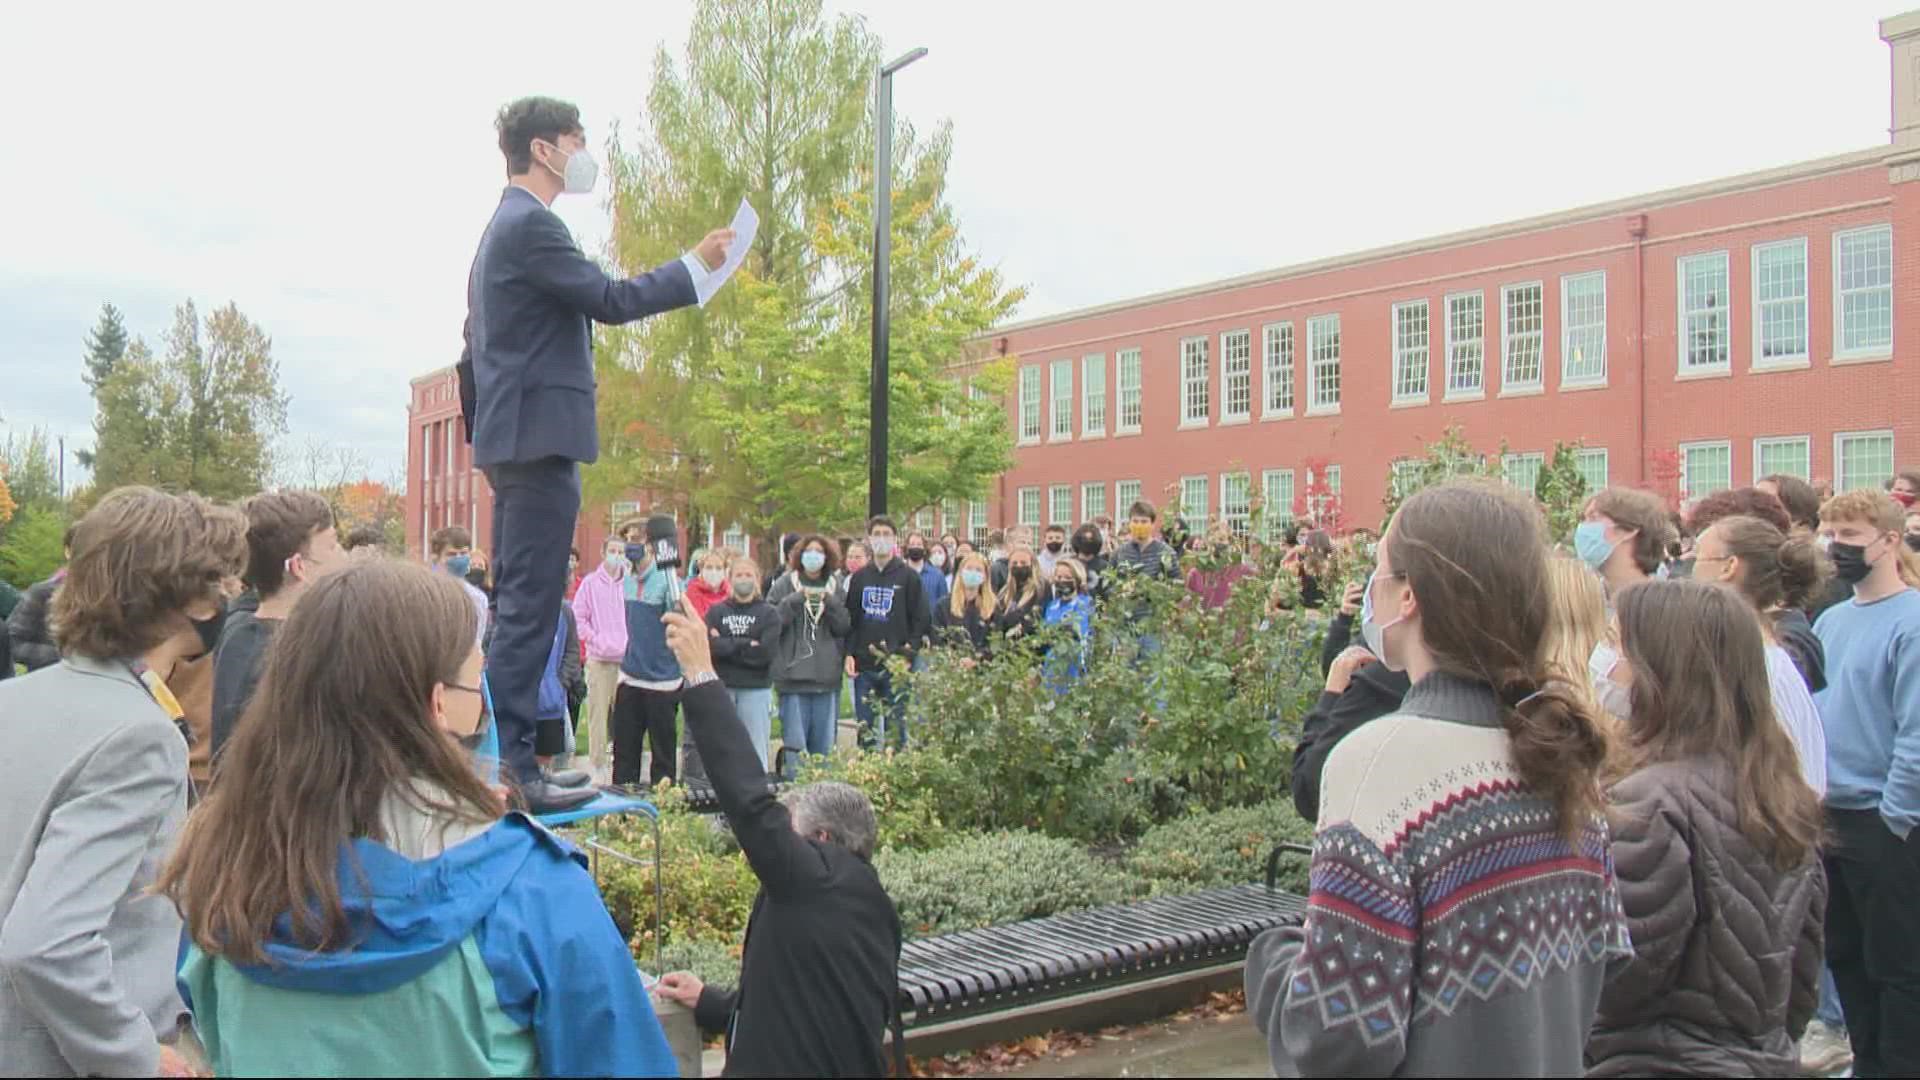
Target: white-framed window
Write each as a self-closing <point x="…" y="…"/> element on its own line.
<point x="1236" y="375"/>
<point x="1093" y="500"/>
<point x="1863" y="293"/>
<point x="1592" y="463"/>
<point x="1703" y="313"/>
<point x="623" y="510"/>
<point x="1030" y="403"/>
<point x="1790" y="455"/>
<point x="1276" y="493"/>
<point x="1128" y="361"/>
<point x="1125" y="494"/>
<point x="1062" y="427"/>
<point x="1862" y="459"/>
<point x="1323" y="363"/>
<point x="1060" y="505"/>
<point x="953" y="518"/>
<point x="1403" y="474"/>
<point x="1780" y="303"/>
<point x="1276" y="363"/>
<point x="1410" y="337"/>
<point x="923" y="519"/>
<point x="1317" y="503"/>
<point x="1523" y="470"/>
<point x="1093" y="395"/>
<point x="1236" y="501"/>
<point x="1523" y="324"/>
<point x="1196" y="372"/>
<point x="1466" y="345"/>
<point x="1705" y="467"/>
<point x="1583" y="329"/>
<point x="1030" y="507"/>
<point x="977" y="520"/>
<point x="735" y="539"/>
<point x="1193" y="503"/>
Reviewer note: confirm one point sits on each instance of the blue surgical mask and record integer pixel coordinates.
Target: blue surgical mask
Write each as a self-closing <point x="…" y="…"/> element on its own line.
<point x="1590" y="543"/>
<point x="812" y="561"/>
<point x="636" y="554"/>
<point x="458" y="565"/>
<point x="1371" y="632"/>
<point x="972" y="579"/>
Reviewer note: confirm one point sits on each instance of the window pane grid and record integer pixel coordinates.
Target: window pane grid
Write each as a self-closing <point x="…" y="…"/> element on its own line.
<point x="1060" y="504"/>
<point x="1195" y="404"/>
<point x="1466" y="344"/>
<point x="1125" y="494"/>
<point x="1093" y="501"/>
<point x="1708" y="467"/>
<point x="1780" y="300"/>
<point x="1236" y="501"/>
<point x="1130" y="390"/>
<point x="1030" y="506"/>
<point x="1863" y="271"/>
<point x="1523" y="330"/>
<point x="1523" y="470"/>
<point x="1236" y="374"/>
<point x="1029" y="403"/>
<point x="1703" y="309"/>
<point x="1791" y="457"/>
<point x="1410" y="336"/>
<point x="977" y="520"/>
<point x="1592" y="464"/>
<point x="1277" y="357"/>
<point x="1062" y="399"/>
<point x="1864" y="461"/>
<point x="1323" y="353"/>
<point x="1276" y="487"/>
<point x="1093" y="389"/>
<point x="1583" y="328"/>
<point x="1193" y="503"/>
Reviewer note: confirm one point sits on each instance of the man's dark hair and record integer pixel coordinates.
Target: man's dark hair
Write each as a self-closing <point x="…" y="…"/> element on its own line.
<point x="1143" y="508"/>
<point x="878" y="520"/>
<point x="530" y="118"/>
<point x="451" y="536"/>
<point x="365" y="536"/>
<point x="574" y="552"/>
<point x="279" y="524"/>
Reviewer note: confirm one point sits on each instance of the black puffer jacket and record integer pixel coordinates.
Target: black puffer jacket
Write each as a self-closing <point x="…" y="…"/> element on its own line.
<point x="1726" y="948"/>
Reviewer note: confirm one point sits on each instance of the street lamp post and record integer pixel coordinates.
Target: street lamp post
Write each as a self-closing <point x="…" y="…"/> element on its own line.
<point x="882" y="285"/>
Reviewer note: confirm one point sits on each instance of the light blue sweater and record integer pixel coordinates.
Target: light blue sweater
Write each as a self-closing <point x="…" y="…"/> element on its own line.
<point x="1871" y="707"/>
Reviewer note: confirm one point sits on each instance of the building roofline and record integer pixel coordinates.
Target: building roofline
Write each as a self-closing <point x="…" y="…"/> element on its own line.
<point x="1729" y="185"/>
<point x="440" y="372"/>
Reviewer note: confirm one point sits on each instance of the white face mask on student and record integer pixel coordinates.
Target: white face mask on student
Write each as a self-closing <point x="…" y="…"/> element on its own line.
<point x="580" y="174"/>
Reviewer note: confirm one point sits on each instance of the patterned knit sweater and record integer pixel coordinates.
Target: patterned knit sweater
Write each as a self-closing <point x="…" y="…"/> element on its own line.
<point x="1452" y="930"/>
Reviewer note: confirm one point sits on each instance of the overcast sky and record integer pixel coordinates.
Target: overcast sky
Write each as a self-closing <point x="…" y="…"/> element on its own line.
<point x="332" y="175"/>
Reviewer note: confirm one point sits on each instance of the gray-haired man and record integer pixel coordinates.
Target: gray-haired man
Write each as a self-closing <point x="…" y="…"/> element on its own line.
<point x="819" y="978"/>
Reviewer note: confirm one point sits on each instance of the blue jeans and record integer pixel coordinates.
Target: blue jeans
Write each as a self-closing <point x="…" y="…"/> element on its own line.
<point x="1829" y="1011"/>
<point x="755" y="709"/>
<point x="807" y="721"/>
<point x="890" y="707"/>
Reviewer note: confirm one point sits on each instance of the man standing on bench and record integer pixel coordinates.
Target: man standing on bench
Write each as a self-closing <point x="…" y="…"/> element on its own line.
<point x="820" y="977"/>
<point x="526" y="392"/>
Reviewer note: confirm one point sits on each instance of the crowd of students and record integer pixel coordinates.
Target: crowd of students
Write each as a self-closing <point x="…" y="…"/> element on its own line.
<point x="1567" y="801"/>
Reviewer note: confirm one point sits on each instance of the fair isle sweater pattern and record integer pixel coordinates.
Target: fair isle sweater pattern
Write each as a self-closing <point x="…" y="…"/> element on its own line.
<point x="1461" y="889"/>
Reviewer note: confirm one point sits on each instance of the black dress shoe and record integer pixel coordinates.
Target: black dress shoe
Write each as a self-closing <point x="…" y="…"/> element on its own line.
<point x="566" y="777"/>
<point x="544" y="798"/>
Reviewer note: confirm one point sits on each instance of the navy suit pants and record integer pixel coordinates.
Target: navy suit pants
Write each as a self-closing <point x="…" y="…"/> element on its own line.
<point x="535" y="505"/>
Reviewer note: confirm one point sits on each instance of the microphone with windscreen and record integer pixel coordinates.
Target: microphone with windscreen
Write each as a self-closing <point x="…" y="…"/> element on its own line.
<point x="663" y="537"/>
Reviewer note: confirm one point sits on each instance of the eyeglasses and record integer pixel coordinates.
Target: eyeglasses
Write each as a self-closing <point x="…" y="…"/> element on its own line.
<point x="463" y="688"/>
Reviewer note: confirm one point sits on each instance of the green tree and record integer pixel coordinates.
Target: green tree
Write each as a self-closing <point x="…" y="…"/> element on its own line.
<point x="31" y="468"/>
<point x="1450" y="457"/>
<point x="757" y="406"/>
<point x="32" y="550"/>
<point x="1562" y="490"/>
<point x="106" y="344"/>
<point x="201" y="418"/>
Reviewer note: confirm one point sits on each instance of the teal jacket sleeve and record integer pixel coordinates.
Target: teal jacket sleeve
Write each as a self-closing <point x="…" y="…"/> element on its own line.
<point x="560" y="966"/>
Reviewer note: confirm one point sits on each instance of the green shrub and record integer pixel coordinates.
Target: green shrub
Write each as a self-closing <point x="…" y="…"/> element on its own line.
<point x="712" y="962"/>
<point x="997" y="878"/>
<point x="905" y="788"/>
<point x="1223" y="847"/>
<point x="709" y="890"/>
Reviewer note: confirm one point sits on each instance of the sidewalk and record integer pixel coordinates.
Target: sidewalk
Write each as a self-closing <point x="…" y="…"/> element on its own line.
<point x="1199" y="1047"/>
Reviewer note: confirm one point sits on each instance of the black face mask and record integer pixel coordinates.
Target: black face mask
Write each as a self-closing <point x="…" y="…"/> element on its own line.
<point x="1054" y="546"/>
<point x="1020" y="573"/>
<point x="476" y="576"/>
<point x="470" y="743"/>
<point x="1913" y="541"/>
<point x="209" y="630"/>
<point x="916" y="554"/>
<point x="1849" y="562"/>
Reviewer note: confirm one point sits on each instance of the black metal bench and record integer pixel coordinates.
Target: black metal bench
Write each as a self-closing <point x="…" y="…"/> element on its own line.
<point x="970" y="972"/>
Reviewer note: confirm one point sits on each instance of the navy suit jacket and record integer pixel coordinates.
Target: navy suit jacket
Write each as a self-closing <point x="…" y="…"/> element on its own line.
<point x="526" y="373"/>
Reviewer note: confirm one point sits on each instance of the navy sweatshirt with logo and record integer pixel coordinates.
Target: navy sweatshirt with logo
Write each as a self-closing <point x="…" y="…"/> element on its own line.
<point x="742" y="638"/>
<point x="890" y="613"/>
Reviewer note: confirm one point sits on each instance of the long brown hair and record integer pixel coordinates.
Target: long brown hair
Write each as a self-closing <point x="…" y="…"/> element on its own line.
<point x="140" y="559"/>
<point x="341" y="722"/>
<point x="1700" y="689"/>
<point x="1776" y="569"/>
<point x="1475" y="556"/>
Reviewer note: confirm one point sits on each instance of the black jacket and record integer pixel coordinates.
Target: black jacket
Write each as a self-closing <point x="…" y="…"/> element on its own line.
<point x="27" y="626"/>
<point x="237" y="664"/>
<point x="1372" y="693"/>
<point x="742" y="640"/>
<point x="889" y="613"/>
<point x="1795" y="635"/>
<point x="820" y="969"/>
<point x="1022" y="613"/>
<point x="969" y="629"/>
<point x="1339" y="636"/>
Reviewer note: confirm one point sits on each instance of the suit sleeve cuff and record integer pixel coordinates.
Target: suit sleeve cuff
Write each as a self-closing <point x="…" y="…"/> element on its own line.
<point x="696" y="270"/>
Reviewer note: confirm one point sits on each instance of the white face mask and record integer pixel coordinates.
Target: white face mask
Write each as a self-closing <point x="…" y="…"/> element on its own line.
<point x="881" y="546"/>
<point x="1617" y="700"/>
<point x="581" y="172"/>
<point x="713" y="578"/>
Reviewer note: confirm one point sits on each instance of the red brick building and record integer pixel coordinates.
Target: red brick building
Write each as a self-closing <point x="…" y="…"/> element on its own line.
<point x="1691" y="339"/>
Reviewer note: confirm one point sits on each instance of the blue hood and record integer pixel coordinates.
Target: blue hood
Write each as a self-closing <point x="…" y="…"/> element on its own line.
<point x="406" y="916"/>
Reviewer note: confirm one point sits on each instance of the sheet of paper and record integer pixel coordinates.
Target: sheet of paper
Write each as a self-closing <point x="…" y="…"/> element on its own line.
<point x="745" y="224"/>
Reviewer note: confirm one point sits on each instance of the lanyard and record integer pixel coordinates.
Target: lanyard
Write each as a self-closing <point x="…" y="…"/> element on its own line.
<point x="157" y="689"/>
